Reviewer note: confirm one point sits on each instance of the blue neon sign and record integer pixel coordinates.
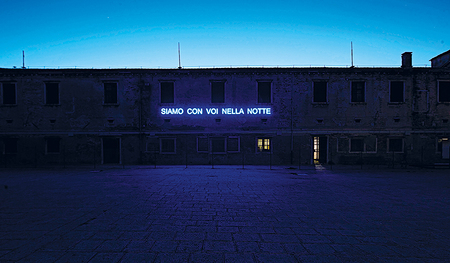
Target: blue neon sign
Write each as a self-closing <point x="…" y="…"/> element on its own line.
<point x="216" y="111"/>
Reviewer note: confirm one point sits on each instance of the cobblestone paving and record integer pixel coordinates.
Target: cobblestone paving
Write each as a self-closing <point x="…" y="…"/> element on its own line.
<point x="226" y="214"/>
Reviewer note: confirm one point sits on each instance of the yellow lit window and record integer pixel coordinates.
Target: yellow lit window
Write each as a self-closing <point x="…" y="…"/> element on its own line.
<point x="264" y="144"/>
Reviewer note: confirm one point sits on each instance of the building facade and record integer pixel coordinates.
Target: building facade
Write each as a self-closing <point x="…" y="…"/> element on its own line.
<point x="226" y="115"/>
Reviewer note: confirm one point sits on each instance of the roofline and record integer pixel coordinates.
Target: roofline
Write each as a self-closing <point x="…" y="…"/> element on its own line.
<point x="448" y="51"/>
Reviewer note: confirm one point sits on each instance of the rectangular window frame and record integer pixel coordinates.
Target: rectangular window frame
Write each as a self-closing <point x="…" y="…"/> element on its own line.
<point x="3" y="93"/>
<point x="439" y="93"/>
<point x="50" y="139"/>
<point x="352" y="99"/>
<point x="174" y="145"/>
<point x="259" y="92"/>
<point x="394" y="138"/>
<point x="216" y="99"/>
<point x="46" y="93"/>
<point x="390" y="92"/>
<point x="264" y="145"/>
<point x="315" y="101"/>
<point x="166" y="101"/>
<point x="207" y="143"/>
<point x="238" y="143"/>
<point x="105" y="95"/>
<point x="364" y="139"/>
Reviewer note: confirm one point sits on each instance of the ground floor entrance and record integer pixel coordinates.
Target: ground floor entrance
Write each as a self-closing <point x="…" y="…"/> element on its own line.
<point x="320" y="149"/>
<point x="111" y="150"/>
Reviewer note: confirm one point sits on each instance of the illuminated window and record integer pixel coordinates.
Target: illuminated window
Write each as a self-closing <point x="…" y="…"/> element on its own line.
<point x="168" y="145"/>
<point x="320" y="91"/>
<point x="264" y="92"/>
<point x="444" y="91"/>
<point x="167" y="92"/>
<point x="217" y="92"/>
<point x="397" y="91"/>
<point x="358" y="91"/>
<point x="263" y="144"/>
<point x="9" y="93"/>
<point x="51" y="93"/>
<point x="110" y="93"/>
<point x="395" y="145"/>
<point x="53" y="145"/>
<point x="10" y="145"/>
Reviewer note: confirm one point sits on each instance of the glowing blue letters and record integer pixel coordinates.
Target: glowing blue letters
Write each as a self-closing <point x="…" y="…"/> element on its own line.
<point x="216" y="111"/>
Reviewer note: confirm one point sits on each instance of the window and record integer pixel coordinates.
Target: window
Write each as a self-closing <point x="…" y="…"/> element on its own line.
<point x="167" y="92"/>
<point x="218" y="145"/>
<point x="10" y="145"/>
<point x="320" y="91"/>
<point x="370" y="144"/>
<point x="342" y="145"/>
<point x="9" y="93"/>
<point x="263" y="144"/>
<point x="167" y="145"/>
<point x="110" y="93"/>
<point x="264" y="92"/>
<point x="444" y="91"/>
<point x="53" y="145"/>
<point x="357" y="145"/>
<point x="217" y="92"/>
<point x="395" y="145"/>
<point x="397" y="91"/>
<point x="233" y="144"/>
<point x="358" y="91"/>
<point x="51" y="93"/>
<point x="202" y="144"/>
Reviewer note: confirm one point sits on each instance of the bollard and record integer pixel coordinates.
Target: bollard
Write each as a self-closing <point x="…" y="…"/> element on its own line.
<point x="243" y="161"/>
<point x="212" y="160"/>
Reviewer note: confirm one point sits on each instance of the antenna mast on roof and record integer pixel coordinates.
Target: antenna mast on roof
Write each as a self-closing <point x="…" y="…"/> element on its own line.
<point x="351" y="44"/>
<point x="179" y="56"/>
<point x="23" y="59"/>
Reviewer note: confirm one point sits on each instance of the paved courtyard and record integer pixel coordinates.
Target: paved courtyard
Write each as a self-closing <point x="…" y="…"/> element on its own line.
<point x="199" y="214"/>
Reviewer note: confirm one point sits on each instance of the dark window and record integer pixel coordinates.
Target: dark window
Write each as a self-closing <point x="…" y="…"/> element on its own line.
<point x="371" y="143"/>
<point x="264" y="92"/>
<point x="9" y="93"/>
<point x="51" y="93"/>
<point x="358" y="91"/>
<point x="218" y="145"/>
<point x="217" y="92"/>
<point x="444" y="91"/>
<point x="10" y="145"/>
<point x="167" y="95"/>
<point x="397" y="91"/>
<point x="320" y="92"/>
<point x="110" y="93"/>
<point x="168" y="145"/>
<point x="342" y="145"/>
<point x="395" y="145"/>
<point x="53" y="145"/>
<point x="233" y="144"/>
<point x="202" y="144"/>
<point x="357" y="145"/>
<point x="263" y="144"/>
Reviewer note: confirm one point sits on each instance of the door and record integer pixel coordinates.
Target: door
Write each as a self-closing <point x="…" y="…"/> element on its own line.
<point x="111" y="150"/>
<point x="320" y="149"/>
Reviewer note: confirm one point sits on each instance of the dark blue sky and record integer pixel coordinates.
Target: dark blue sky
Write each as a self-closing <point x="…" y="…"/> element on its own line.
<point x="116" y="34"/>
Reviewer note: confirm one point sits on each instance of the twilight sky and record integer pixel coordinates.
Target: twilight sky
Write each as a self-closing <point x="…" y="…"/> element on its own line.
<point x="138" y="33"/>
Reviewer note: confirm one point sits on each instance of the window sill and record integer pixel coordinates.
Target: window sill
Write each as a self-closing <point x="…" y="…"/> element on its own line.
<point x="358" y="103"/>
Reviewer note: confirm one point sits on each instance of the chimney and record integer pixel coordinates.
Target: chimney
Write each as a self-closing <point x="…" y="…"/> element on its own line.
<point x="407" y="60"/>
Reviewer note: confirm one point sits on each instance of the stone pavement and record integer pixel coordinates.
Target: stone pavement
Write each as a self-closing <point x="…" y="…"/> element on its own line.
<point x="199" y="214"/>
